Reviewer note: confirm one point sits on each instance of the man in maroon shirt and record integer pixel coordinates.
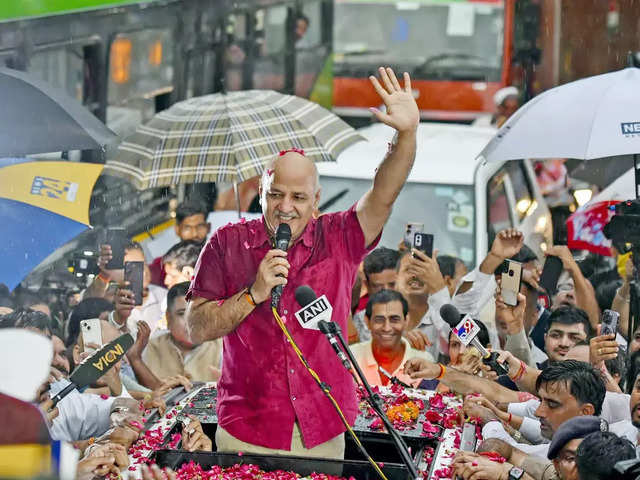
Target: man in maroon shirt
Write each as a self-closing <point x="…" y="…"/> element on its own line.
<point x="267" y="401"/>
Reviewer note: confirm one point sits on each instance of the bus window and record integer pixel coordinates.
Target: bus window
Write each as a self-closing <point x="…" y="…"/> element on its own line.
<point x="311" y="54"/>
<point x="521" y="188"/>
<point x="140" y="65"/>
<point x="499" y="216"/>
<point x="62" y="68"/>
<point x="271" y="31"/>
<point x="235" y="54"/>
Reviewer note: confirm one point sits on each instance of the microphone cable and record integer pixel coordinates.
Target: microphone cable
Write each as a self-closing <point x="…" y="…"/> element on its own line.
<point x="326" y="390"/>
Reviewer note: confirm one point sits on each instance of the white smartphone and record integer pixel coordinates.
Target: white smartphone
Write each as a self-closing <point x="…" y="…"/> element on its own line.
<point x="91" y="333"/>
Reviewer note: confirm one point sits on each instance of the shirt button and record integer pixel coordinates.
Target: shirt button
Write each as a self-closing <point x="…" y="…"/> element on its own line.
<point x="293" y="398"/>
<point x="291" y="371"/>
<point x="286" y="312"/>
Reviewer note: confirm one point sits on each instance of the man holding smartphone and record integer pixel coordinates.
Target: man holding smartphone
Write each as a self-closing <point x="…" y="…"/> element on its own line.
<point x="267" y="401"/>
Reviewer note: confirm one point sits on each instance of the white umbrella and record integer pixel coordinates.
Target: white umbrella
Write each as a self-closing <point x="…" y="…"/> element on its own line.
<point x="590" y="118"/>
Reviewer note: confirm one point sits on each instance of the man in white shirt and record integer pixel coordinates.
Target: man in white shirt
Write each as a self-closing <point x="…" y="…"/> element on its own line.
<point x="630" y="428"/>
<point x="386" y="317"/>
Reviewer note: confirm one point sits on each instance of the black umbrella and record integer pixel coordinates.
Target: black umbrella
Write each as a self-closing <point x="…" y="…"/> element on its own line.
<point x="37" y="118"/>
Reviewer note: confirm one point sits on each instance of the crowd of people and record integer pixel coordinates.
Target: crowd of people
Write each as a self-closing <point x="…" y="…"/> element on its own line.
<point x="569" y="407"/>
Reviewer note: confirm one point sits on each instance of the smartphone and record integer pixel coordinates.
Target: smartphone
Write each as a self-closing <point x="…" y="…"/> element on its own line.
<point x="550" y="274"/>
<point x="410" y="231"/>
<point x="424" y="243"/>
<point x="609" y="322"/>
<point x="91" y="330"/>
<point x="116" y="238"/>
<point x="511" y="283"/>
<point x="134" y="274"/>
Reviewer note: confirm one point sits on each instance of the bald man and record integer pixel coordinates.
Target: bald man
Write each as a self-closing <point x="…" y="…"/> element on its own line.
<point x="267" y="401"/>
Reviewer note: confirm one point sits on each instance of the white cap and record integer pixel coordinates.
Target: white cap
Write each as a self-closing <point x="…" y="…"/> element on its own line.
<point x="502" y="94"/>
<point x="25" y="357"/>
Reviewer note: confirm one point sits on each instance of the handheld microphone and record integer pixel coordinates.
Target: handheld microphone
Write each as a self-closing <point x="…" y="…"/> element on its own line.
<point x="283" y="236"/>
<point x="95" y="366"/>
<point x="313" y="308"/>
<point x="467" y="331"/>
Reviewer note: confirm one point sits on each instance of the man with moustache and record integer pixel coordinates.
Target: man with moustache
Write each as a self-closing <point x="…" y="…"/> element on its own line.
<point x="265" y="394"/>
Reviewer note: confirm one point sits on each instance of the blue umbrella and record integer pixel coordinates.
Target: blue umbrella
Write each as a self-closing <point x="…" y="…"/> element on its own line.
<point x="43" y="205"/>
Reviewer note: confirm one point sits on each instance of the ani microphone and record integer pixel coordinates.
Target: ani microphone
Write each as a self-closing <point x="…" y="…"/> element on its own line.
<point x="283" y="236"/>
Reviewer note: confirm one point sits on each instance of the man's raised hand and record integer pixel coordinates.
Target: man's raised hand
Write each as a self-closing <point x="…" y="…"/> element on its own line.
<point x="507" y="243"/>
<point x="402" y="111"/>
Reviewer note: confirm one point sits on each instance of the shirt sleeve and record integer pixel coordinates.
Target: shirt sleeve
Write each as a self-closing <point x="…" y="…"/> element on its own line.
<point x="524" y="409"/>
<point x="352" y="235"/>
<point x="530" y="429"/>
<point x="207" y="281"/>
<point x="616" y="407"/>
<point x="435" y="302"/>
<point x="469" y="301"/>
<point x="496" y="430"/>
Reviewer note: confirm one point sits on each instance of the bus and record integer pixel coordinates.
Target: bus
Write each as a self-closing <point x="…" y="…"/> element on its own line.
<point x="458" y="52"/>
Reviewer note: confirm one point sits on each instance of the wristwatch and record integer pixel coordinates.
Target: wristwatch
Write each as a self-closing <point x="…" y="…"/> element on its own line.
<point x="516" y="473"/>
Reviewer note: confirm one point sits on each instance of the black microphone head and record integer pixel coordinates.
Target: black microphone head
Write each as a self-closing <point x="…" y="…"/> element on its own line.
<point x="450" y="314"/>
<point x="283" y="236"/>
<point x="305" y="295"/>
<point x="101" y="361"/>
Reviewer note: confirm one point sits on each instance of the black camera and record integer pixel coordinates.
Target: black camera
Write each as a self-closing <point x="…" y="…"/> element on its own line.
<point x="624" y="227"/>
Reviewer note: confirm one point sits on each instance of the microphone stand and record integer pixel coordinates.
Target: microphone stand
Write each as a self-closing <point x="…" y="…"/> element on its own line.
<point x="376" y="403"/>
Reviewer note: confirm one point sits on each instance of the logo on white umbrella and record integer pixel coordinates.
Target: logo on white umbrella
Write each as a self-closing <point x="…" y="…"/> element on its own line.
<point x="630" y="128"/>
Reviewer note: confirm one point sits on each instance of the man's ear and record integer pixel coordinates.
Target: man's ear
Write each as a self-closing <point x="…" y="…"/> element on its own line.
<point x="208" y="228"/>
<point x="588" y="409"/>
<point x="188" y="272"/>
<point x="176" y="227"/>
<point x="76" y="354"/>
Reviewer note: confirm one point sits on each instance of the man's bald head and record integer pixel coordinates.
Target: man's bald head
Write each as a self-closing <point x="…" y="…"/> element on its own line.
<point x="290" y="192"/>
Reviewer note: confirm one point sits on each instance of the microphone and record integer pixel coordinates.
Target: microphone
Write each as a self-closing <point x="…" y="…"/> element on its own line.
<point x="320" y="316"/>
<point x="95" y="366"/>
<point x="467" y="331"/>
<point x="283" y="236"/>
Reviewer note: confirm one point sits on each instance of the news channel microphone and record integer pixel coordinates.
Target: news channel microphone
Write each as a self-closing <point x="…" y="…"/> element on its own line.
<point x="467" y="332"/>
<point x="95" y="366"/>
<point x="315" y="314"/>
<point x="283" y="236"/>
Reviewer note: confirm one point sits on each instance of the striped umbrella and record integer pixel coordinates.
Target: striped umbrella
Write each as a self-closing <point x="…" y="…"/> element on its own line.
<point x="228" y="138"/>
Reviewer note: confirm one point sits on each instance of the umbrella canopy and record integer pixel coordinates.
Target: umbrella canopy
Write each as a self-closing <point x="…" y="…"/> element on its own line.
<point x="591" y="118"/>
<point x="37" y="118"/>
<point x="227" y="138"/>
<point x="42" y="206"/>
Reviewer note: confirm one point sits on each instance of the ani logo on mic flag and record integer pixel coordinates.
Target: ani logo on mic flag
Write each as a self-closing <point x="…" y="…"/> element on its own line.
<point x="319" y="309"/>
<point x="466" y="330"/>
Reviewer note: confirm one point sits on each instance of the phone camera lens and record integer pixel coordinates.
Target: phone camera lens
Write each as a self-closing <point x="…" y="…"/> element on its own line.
<point x="511" y="273"/>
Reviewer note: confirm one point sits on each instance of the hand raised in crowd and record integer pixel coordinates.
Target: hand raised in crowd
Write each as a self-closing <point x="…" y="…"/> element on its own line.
<point x="565" y="255"/>
<point x="193" y="437"/>
<point x="125" y="303"/>
<point x="472" y="466"/>
<point x="507" y="243"/>
<point x="105" y="257"/>
<point x="423" y="269"/>
<point x="273" y="271"/>
<point x="510" y="319"/>
<point x="142" y="339"/>
<point x="417" y="339"/>
<point x="402" y="111"/>
<point x="96" y="466"/>
<point x="602" y="348"/>
<point x="421" y="368"/>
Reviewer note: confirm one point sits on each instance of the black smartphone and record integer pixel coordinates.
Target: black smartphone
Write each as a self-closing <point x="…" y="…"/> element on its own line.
<point x="134" y="274"/>
<point x="550" y="274"/>
<point x="609" y="322"/>
<point x="116" y="238"/>
<point x="424" y="243"/>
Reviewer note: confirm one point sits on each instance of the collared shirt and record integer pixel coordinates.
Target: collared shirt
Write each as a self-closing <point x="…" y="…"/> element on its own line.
<point x="264" y="388"/>
<point x="81" y="415"/>
<point x="494" y="429"/>
<point x="363" y="352"/>
<point x="433" y="326"/>
<point x="165" y="359"/>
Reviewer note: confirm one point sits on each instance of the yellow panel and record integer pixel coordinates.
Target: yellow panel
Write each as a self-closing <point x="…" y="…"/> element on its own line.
<point x="60" y="187"/>
<point x="24" y="461"/>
